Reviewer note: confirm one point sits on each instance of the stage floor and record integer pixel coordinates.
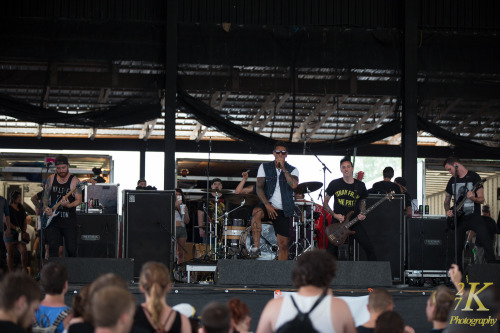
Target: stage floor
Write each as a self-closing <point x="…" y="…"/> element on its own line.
<point x="410" y="302"/>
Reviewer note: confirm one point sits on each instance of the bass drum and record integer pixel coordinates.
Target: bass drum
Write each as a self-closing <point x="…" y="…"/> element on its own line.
<point x="318" y="226"/>
<point x="268" y="243"/>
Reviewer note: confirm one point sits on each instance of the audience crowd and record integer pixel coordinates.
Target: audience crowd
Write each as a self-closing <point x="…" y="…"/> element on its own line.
<point x="107" y="306"/>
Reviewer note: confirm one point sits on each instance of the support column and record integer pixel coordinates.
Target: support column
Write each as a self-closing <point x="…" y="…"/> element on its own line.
<point x="142" y="164"/>
<point x="410" y="95"/>
<point x="170" y="94"/>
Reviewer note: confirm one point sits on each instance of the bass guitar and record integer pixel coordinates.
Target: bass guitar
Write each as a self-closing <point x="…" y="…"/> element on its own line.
<point x="461" y="202"/>
<point x="337" y="233"/>
<point x="46" y="219"/>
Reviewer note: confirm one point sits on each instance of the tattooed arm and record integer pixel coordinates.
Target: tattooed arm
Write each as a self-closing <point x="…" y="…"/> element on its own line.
<point x="447" y="207"/>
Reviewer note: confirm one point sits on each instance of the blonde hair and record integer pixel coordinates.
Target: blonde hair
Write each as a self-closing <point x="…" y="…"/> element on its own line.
<point x="443" y="299"/>
<point x="155" y="278"/>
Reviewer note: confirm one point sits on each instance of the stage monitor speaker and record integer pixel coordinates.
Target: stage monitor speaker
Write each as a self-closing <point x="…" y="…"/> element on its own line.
<point x="430" y="244"/>
<point x="385" y="227"/>
<point x="86" y="270"/>
<point x="147" y="224"/>
<point x="97" y="235"/>
<point x="278" y="273"/>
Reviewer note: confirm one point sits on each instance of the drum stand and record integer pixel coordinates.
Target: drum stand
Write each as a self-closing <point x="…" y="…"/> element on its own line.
<point x="226" y="214"/>
<point x="311" y="224"/>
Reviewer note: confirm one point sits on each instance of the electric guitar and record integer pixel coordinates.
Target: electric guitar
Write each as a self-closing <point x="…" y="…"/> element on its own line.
<point x="461" y="202"/>
<point x="47" y="220"/>
<point x="337" y="233"/>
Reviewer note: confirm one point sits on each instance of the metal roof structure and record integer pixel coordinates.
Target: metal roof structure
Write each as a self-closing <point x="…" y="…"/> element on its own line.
<point x="288" y="70"/>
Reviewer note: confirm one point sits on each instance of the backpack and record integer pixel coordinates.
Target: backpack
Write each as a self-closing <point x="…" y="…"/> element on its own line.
<point x="52" y="328"/>
<point x="301" y="322"/>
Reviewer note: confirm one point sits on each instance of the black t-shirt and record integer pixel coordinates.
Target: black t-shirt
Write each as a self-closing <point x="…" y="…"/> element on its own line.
<point x="491" y="226"/>
<point x="10" y="327"/>
<point x="384" y="187"/>
<point x="464" y="185"/>
<point x="362" y="329"/>
<point x="346" y="196"/>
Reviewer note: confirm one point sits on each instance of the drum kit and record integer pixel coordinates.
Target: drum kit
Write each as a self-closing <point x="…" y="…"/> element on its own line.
<point x="232" y="237"/>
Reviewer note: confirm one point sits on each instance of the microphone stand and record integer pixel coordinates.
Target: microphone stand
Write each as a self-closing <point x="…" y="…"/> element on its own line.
<point x="325" y="221"/>
<point x="455" y="221"/>
<point x="207" y="234"/>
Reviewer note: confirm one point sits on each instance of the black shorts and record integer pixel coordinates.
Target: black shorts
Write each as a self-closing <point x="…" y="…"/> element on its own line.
<point x="281" y="224"/>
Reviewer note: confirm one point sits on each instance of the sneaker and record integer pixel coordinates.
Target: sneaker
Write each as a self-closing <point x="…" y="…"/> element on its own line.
<point x="254" y="251"/>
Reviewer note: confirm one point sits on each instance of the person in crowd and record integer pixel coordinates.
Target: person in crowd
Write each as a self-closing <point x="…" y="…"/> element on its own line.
<point x="379" y="301"/>
<point x="54" y="278"/>
<point x="312" y="275"/>
<point x="215" y="318"/>
<point x="438" y="307"/>
<point x="87" y="324"/>
<point x="17" y="230"/>
<point x="78" y="305"/>
<point x="63" y="228"/>
<point x="155" y="314"/>
<point x="4" y="215"/>
<point x="240" y="316"/>
<point x="386" y="185"/>
<point x="389" y="322"/>
<point x="19" y="298"/>
<point x="113" y="310"/>
<point x="181" y="219"/>
<point x="141" y="184"/>
<point x="276" y="181"/>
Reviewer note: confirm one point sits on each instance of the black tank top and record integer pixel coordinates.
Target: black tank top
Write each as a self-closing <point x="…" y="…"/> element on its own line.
<point x="140" y="319"/>
<point x="67" y="216"/>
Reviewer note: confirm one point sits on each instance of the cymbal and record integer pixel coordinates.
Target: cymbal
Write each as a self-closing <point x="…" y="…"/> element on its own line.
<point x="237" y="199"/>
<point x="203" y="199"/>
<point x="312" y="186"/>
<point x="214" y="190"/>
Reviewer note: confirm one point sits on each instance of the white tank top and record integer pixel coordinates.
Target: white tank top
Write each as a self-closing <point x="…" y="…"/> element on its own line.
<point x="178" y="217"/>
<point x="321" y="317"/>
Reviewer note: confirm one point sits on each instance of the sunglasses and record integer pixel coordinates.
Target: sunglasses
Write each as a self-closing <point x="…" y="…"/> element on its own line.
<point x="282" y="152"/>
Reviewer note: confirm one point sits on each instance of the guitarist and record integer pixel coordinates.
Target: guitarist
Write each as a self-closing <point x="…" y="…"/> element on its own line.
<point x="469" y="218"/>
<point x="63" y="226"/>
<point x="349" y="195"/>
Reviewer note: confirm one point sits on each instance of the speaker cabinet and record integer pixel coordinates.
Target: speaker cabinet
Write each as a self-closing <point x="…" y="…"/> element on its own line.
<point x="385" y="227"/>
<point x="97" y="235"/>
<point x="86" y="270"/>
<point x="147" y="226"/>
<point x="430" y="244"/>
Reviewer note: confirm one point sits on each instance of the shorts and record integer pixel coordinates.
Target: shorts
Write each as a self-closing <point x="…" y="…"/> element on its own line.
<point x="180" y="232"/>
<point x="281" y="224"/>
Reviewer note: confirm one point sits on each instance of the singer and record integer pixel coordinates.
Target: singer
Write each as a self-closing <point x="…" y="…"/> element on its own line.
<point x="276" y="181"/>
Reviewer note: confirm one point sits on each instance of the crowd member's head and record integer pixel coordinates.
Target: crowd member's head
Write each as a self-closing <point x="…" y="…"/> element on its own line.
<point x="388" y="173"/>
<point x="142" y="183"/>
<point x="78" y="303"/>
<point x="106" y="280"/>
<point x="179" y="192"/>
<point x="113" y="309"/>
<point x="54" y="278"/>
<point x="380" y="300"/>
<point x="389" y="322"/>
<point x="215" y="318"/>
<point x="314" y="268"/>
<point x="19" y="298"/>
<point x="15" y="198"/>
<point x="154" y="282"/>
<point x="240" y="315"/>
<point x="486" y="210"/>
<point x="439" y="304"/>
<point x="96" y="171"/>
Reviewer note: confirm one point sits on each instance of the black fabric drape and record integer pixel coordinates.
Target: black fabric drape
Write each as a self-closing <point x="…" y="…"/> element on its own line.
<point x="122" y="114"/>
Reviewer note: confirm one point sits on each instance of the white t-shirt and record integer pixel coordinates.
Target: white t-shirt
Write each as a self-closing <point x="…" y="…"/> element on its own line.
<point x="275" y="199"/>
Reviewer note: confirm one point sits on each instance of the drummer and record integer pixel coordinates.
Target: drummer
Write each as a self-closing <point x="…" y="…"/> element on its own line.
<point x="216" y="188"/>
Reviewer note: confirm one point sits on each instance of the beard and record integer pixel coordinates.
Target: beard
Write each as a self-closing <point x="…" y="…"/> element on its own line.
<point x="62" y="174"/>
